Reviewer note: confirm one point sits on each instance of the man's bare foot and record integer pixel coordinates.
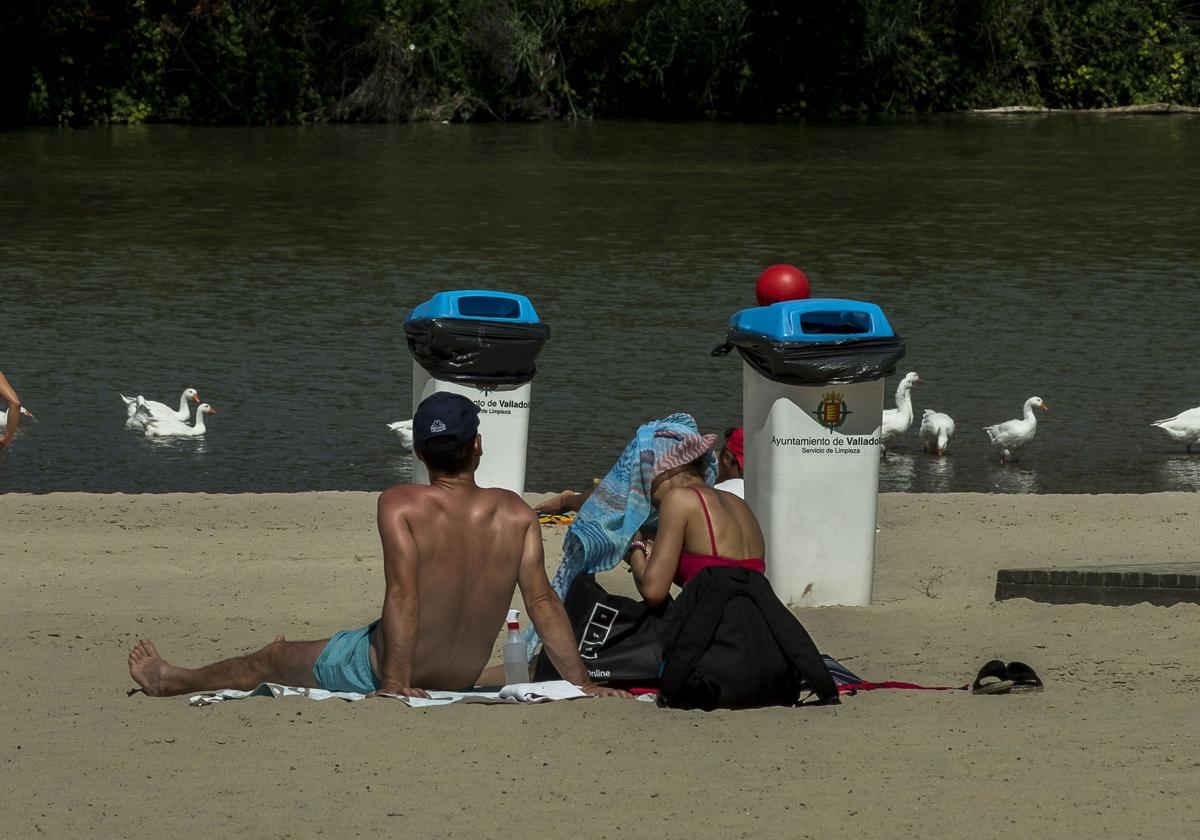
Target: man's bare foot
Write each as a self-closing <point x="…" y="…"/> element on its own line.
<point x="146" y="667"/>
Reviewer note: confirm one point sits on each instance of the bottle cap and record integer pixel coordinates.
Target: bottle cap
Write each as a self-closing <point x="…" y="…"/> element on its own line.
<point x="513" y="624"/>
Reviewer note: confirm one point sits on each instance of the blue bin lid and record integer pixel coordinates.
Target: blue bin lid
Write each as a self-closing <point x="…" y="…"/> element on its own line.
<point x="815" y="319"/>
<point x="477" y="305"/>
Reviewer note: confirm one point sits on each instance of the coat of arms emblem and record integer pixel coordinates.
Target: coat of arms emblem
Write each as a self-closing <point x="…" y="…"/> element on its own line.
<point x="831" y="412"/>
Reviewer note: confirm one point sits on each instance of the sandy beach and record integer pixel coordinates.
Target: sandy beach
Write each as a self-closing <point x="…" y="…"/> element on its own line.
<point x="1105" y="750"/>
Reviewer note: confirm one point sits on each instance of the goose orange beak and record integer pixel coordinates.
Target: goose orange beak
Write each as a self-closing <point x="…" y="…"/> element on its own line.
<point x="211" y="410"/>
<point x="1045" y="407"/>
<point x="195" y="398"/>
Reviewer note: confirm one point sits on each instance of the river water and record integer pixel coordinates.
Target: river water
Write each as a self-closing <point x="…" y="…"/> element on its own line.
<point x="271" y="268"/>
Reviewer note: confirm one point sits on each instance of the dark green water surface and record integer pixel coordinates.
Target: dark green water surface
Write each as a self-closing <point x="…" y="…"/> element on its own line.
<point x="1056" y="256"/>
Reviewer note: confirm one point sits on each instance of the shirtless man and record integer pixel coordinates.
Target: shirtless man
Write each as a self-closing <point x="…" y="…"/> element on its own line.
<point x="452" y="554"/>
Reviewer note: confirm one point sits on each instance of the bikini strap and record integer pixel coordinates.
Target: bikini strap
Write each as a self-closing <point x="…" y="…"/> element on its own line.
<point x="712" y="538"/>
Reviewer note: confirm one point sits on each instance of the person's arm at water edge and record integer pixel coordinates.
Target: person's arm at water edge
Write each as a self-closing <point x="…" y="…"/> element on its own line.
<point x="9" y="395"/>
<point x="549" y="617"/>
<point x="401" y="600"/>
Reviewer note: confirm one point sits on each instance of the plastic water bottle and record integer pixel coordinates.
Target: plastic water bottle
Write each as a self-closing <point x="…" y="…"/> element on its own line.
<point x="516" y="666"/>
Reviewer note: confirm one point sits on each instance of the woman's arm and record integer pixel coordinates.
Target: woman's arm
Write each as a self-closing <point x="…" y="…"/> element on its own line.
<point x="653" y="575"/>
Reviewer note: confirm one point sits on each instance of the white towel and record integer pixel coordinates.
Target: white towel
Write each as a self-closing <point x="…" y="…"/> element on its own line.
<point x="539" y="692"/>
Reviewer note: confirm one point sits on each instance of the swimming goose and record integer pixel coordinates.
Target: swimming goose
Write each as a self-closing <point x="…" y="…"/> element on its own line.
<point x="157" y="409"/>
<point x="1183" y="428"/>
<point x="1012" y="436"/>
<point x="170" y="427"/>
<point x="936" y="430"/>
<point x="404" y="429"/>
<point x="897" y="420"/>
<point x="4" y="416"/>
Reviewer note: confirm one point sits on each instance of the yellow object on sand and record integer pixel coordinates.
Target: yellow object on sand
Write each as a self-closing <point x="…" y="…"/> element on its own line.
<point x="556" y="518"/>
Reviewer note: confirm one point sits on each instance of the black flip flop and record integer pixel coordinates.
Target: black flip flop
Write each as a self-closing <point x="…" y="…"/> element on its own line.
<point x="992" y="679"/>
<point x="1023" y="678"/>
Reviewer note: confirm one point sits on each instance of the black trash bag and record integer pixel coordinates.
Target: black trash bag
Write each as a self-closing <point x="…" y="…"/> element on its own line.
<point x="839" y="362"/>
<point x="474" y="351"/>
<point x="618" y="637"/>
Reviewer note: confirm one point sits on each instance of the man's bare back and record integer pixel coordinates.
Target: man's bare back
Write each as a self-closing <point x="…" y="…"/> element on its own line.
<point x="469" y="543"/>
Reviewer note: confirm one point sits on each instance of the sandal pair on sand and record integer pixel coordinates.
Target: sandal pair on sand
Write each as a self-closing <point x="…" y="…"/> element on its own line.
<point x="997" y="678"/>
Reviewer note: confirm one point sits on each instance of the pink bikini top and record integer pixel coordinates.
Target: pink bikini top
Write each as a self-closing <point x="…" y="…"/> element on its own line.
<point x="691" y="564"/>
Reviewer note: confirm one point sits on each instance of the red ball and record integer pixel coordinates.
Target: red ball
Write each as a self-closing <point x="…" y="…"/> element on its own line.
<point x="781" y="282"/>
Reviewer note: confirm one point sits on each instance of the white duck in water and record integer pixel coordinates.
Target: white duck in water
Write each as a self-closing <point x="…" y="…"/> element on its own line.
<point x="170" y="427"/>
<point x="24" y="413"/>
<point x="936" y="430"/>
<point x="896" y="421"/>
<point x="1011" y="436"/>
<point x="1183" y="428"/>
<point x="134" y="419"/>
<point x="403" y="428"/>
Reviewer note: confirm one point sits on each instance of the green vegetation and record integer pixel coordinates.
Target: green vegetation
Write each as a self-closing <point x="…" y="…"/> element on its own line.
<point x="73" y="62"/>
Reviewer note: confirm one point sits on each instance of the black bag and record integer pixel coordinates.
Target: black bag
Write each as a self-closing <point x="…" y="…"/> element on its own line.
<point x="839" y="362"/>
<point x="730" y="643"/>
<point x="472" y="350"/>
<point x="618" y="637"/>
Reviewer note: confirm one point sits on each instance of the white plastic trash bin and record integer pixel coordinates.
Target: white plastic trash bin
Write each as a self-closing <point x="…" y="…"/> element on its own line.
<point x="483" y="345"/>
<point x="812" y="400"/>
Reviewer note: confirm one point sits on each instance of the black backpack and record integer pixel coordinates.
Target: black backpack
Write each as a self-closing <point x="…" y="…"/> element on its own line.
<point x="730" y="643"/>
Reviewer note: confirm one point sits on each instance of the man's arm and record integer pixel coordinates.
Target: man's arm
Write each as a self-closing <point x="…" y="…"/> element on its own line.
<point x="9" y="395"/>
<point x="549" y="617"/>
<point x="401" y="602"/>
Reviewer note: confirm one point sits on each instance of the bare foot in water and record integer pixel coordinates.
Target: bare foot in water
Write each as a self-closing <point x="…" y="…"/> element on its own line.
<point x="146" y="667"/>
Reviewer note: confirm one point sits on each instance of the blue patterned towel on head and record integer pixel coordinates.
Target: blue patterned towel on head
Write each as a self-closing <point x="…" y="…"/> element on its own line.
<point x="620" y="504"/>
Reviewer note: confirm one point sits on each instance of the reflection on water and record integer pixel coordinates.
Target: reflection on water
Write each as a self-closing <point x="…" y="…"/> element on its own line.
<point x="401" y="467"/>
<point x="939" y="473"/>
<point x="1014" y="478"/>
<point x="182" y="445"/>
<point x="897" y="471"/>
<point x="1181" y="473"/>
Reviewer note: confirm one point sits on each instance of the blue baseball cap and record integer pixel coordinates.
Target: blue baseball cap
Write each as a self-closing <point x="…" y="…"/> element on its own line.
<point x="444" y="422"/>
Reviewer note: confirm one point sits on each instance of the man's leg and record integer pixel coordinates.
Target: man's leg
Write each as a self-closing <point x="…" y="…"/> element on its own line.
<point x="289" y="663"/>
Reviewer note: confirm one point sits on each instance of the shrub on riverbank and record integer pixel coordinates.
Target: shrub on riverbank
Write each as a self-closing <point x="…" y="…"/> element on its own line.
<point x="265" y="61"/>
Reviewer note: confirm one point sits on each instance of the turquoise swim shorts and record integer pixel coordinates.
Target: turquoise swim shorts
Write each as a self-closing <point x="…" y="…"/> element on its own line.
<point x="345" y="662"/>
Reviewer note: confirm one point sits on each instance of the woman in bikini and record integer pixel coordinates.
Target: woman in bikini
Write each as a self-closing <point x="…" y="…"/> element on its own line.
<point x="699" y="526"/>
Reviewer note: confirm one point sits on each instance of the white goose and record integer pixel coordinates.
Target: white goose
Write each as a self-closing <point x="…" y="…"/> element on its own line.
<point x="1183" y="428"/>
<point x="896" y="421"/>
<point x="170" y="427"/>
<point x="403" y="428"/>
<point x="134" y="418"/>
<point x="936" y="430"/>
<point x="1010" y="437"/>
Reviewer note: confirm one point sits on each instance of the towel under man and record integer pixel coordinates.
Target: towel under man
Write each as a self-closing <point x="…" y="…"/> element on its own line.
<point x="452" y="554"/>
